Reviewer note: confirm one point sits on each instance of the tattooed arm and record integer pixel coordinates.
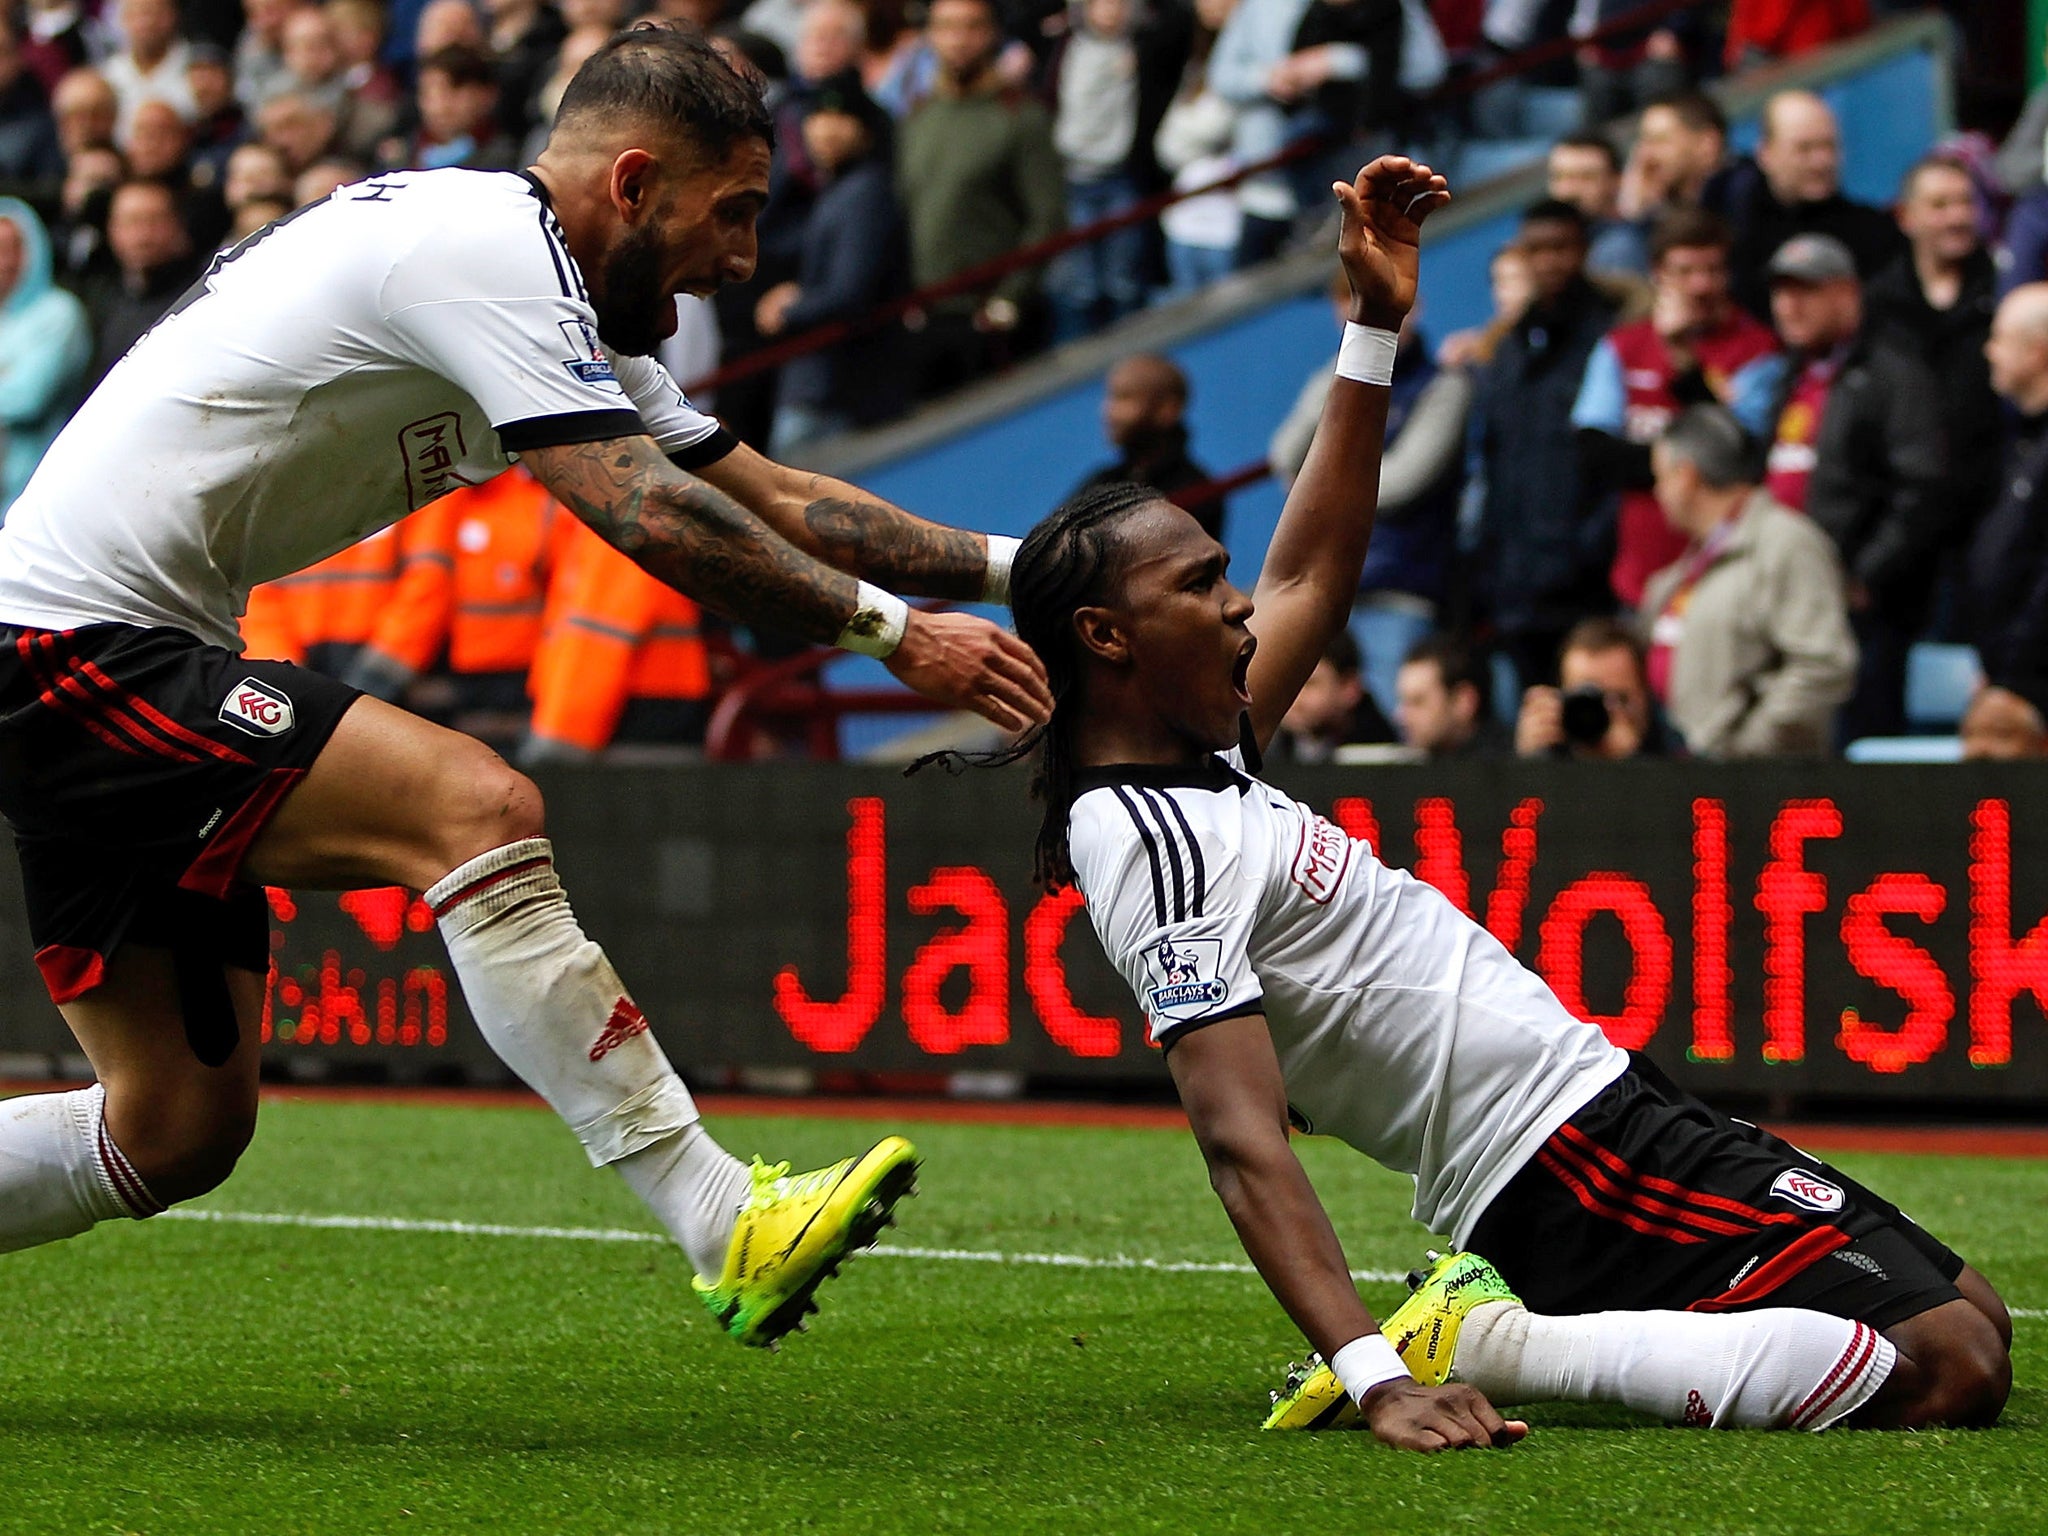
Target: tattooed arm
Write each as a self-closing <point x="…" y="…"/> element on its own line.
<point x="853" y="531"/>
<point x="695" y="538"/>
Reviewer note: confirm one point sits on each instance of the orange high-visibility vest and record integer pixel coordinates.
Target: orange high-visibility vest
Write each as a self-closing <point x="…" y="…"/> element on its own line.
<point x="613" y="634"/>
<point x="475" y="574"/>
<point x="269" y="629"/>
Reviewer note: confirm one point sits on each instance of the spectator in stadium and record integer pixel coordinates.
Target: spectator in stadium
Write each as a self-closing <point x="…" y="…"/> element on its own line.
<point x="448" y="24"/>
<point x="1508" y="284"/>
<point x="1332" y="710"/>
<point x="1407" y="565"/>
<point x="1760" y="30"/>
<point x="255" y="170"/>
<point x="1111" y="78"/>
<point x="1542" y="555"/>
<point x="45" y="344"/>
<point x="260" y="70"/>
<point x="297" y="127"/>
<point x="1193" y="147"/>
<point x="2007" y="583"/>
<point x="151" y="67"/>
<point x="1601" y="708"/>
<point x="153" y="264"/>
<point x="1748" y="629"/>
<point x="1630" y="69"/>
<point x="1859" y="450"/>
<point x="457" y="101"/>
<point x="852" y="259"/>
<point x="1345" y="70"/>
<point x="1680" y="158"/>
<point x="1441" y="706"/>
<point x="86" y="111"/>
<point x="1939" y="296"/>
<point x="31" y="158"/>
<point x="252" y="216"/>
<point x="57" y="37"/>
<point x="1696" y="345"/>
<point x="80" y="232"/>
<point x="2000" y="726"/>
<point x="314" y="69"/>
<point x="2019" y="170"/>
<point x="1584" y="170"/>
<point x="979" y="177"/>
<point x="1800" y="192"/>
<point x="319" y="179"/>
<point x="1144" y="417"/>
<point x="521" y="37"/>
<point x="359" y="29"/>
<point x="218" y="122"/>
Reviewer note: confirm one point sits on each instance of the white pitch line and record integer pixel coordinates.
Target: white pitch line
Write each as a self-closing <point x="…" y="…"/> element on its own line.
<point x="883" y="1251"/>
<point x="631" y="1235"/>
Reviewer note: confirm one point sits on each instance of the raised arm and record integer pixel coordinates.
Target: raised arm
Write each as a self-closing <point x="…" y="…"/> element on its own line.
<point x="1310" y="576"/>
<point x="702" y="542"/>
<point x="1230" y="1084"/>
<point x="852" y="531"/>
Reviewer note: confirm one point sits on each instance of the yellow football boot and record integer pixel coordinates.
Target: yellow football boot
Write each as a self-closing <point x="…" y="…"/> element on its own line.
<point x="1423" y="1331"/>
<point x="794" y="1232"/>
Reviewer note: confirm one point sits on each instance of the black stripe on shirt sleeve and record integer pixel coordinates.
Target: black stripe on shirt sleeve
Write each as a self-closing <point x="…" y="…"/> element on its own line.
<point x="706" y="450"/>
<point x="570" y="427"/>
<point x="1198" y="876"/>
<point x="1180" y="894"/>
<point x="1151" y="851"/>
<point x="1180" y="1031"/>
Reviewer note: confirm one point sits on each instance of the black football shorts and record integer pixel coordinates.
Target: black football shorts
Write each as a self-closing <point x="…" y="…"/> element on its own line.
<point x="1648" y="1199"/>
<point x="136" y="768"/>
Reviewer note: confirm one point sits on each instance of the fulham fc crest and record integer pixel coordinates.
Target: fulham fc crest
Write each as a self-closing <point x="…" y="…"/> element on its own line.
<point x="254" y="708"/>
<point x="1807" y="1189"/>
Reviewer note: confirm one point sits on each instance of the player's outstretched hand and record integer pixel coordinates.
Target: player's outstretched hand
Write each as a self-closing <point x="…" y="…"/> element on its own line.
<point x="966" y="662"/>
<point x="1380" y="242"/>
<point x="1412" y="1417"/>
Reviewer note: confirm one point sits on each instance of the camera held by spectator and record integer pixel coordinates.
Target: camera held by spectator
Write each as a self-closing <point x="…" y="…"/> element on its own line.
<point x="1601" y="707"/>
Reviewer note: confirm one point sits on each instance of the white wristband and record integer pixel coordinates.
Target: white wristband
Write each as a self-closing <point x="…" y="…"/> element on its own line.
<point x="877" y="625"/>
<point x="1367" y="354"/>
<point x="1365" y="1363"/>
<point x="1002" y="553"/>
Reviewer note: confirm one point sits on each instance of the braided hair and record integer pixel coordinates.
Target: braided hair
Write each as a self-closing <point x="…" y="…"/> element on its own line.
<point x="1067" y="562"/>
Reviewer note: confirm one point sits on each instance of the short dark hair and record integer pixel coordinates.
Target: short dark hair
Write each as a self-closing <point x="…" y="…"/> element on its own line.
<point x="1453" y="660"/>
<point x="1697" y="110"/>
<point x="1343" y="654"/>
<point x="1596" y="141"/>
<point x="1555" y="210"/>
<point x="1933" y="162"/>
<point x="1688" y="229"/>
<point x="1604" y="633"/>
<point x="462" y="64"/>
<point x="671" y="76"/>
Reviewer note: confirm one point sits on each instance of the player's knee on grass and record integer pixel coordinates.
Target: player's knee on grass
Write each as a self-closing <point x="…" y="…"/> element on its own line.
<point x="1962" y="1366"/>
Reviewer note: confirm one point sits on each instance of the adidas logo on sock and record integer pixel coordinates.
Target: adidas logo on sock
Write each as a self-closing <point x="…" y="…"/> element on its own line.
<point x="626" y="1022"/>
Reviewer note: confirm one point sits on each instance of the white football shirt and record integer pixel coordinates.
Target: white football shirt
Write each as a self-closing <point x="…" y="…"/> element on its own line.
<point x="1402" y="1026"/>
<point x="333" y="372"/>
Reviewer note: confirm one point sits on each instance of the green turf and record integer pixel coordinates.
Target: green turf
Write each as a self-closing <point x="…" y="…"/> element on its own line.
<point x="187" y="1377"/>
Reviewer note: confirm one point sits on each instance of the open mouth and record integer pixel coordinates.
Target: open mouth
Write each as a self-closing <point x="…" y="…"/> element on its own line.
<point x="1241" y="670"/>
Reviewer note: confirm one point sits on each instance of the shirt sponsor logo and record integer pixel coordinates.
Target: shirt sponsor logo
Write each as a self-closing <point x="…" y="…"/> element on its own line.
<point x="252" y="707"/>
<point x="586" y="359"/>
<point x="1807" y="1189"/>
<point x="1320" y="859"/>
<point x="432" y="447"/>
<point x="1186" y="978"/>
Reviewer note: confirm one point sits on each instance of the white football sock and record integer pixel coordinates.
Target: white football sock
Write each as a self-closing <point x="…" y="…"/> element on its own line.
<point x="60" y="1172"/>
<point x="1777" y="1368"/>
<point x="550" y="1004"/>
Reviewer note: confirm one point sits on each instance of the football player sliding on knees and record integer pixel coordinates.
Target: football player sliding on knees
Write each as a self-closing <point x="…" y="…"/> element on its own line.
<point x="1615" y="1239"/>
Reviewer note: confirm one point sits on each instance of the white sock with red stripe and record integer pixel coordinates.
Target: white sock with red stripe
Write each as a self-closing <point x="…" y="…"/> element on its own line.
<point x="60" y="1172"/>
<point x="1776" y="1368"/>
<point x="550" y="1004"/>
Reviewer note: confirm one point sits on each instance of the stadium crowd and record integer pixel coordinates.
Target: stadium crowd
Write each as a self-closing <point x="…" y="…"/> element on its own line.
<point x="1566" y="510"/>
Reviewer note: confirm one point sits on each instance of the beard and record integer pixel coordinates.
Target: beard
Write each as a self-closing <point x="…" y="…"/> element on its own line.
<point x="630" y="297"/>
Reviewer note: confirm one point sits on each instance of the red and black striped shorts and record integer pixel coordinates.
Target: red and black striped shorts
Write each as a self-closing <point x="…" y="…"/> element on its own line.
<point x="136" y="768"/>
<point x="1646" y="1198"/>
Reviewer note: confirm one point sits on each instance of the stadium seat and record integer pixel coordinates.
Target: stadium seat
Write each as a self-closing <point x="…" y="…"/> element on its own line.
<point x="1939" y="682"/>
<point x="1905" y="749"/>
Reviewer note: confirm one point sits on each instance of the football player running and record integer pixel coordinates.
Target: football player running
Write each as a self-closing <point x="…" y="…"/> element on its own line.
<point x="1644" y="1250"/>
<point x="332" y="373"/>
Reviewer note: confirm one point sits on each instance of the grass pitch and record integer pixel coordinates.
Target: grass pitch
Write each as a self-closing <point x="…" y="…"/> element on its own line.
<point x="185" y="1375"/>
